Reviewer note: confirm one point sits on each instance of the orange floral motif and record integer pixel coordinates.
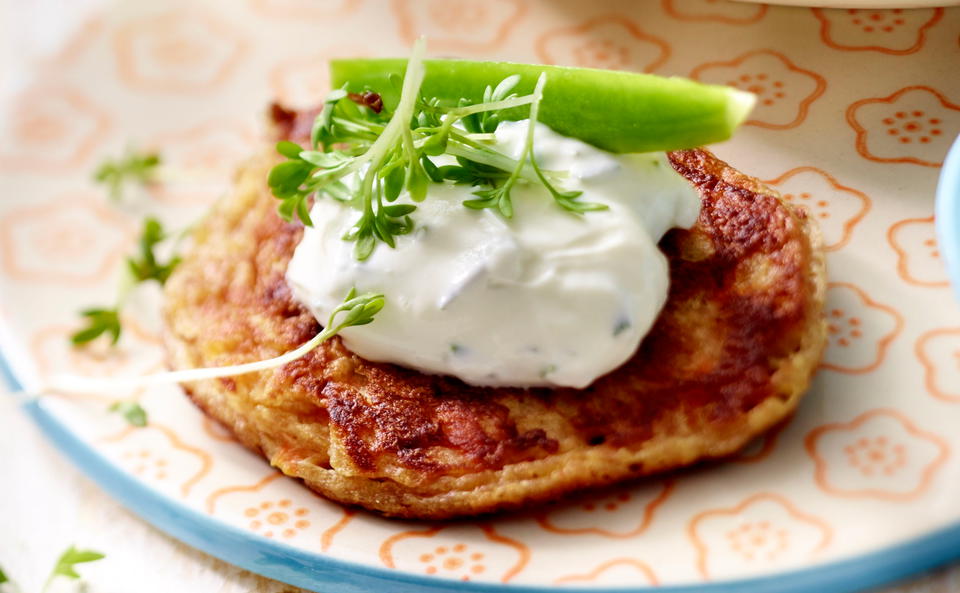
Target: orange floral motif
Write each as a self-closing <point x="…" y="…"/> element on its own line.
<point x="859" y="329"/>
<point x="157" y="454"/>
<point x="458" y="25"/>
<point x="221" y="492"/>
<point x="77" y="44"/>
<point x="880" y="454"/>
<point x="613" y="42"/>
<point x="719" y="11"/>
<point x="893" y="31"/>
<point x="145" y="462"/>
<point x="177" y="52"/>
<point x="913" y="125"/>
<point x="614" y="572"/>
<point x="918" y="258"/>
<point x="764" y="531"/>
<point x="280" y="509"/>
<point x="277" y="518"/>
<point x="939" y="353"/>
<point x="785" y="91"/>
<point x="838" y="208"/>
<point x="445" y="551"/>
<point x="72" y="239"/>
<point x="326" y="540"/>
<point x="623" y="513"/>
<point x="302" y="83"/>
<point x="204" y="158"/>
<point x="51" y="129"/>
<point x="303" y="9"/>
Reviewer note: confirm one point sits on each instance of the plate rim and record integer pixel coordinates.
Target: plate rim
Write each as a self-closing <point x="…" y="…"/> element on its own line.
<point x="319" y="572"/>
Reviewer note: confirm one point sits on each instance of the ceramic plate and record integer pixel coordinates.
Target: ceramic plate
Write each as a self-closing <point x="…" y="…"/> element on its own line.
<point x="860" y="4"/>
<point x="856" y="113"/>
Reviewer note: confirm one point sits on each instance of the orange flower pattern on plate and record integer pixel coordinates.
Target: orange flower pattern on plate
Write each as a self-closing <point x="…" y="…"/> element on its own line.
<point x="784" y="90"/>
<point x="913" y="125"/>
<point x="279" y="508"/>
<point x="304" y="9"/>
<point x="71" y="240"/>
<point x="613" y="42"/>
<point x="939" y="352"/>
<point x="763" y="532"/>
<point x="918" y="257"/>
<point x="461" y="552"/>
<point x="51" y="128"/>
<point x="859" y="329"/>
<point x="890" y="31"/>
<point x="881" y="454"/>
<point x="614" y="572"/>
<point x="619" y="513"/>
<point x="159" y="455"/>
<point x="204" y="158"/>
<point x="177" y="52"/>
<point x="277" y="518"/>
<point x="718" y="11"/>
<point x="458" y="25"/>
<point x="837" y="208"/>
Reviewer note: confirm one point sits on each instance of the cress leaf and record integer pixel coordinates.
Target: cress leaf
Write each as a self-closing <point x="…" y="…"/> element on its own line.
<point x="134" y="167"/>
<point x="99" y="322"/>
<point x="291" y="150"/>
<point x="132" y="412"/>
<point x="145" y="265"/>
<point x="72" y="557"/>
<point x="386" y="154"/>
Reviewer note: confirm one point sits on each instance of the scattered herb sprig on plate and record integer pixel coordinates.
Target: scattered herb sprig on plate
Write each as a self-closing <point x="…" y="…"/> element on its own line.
<point x="133" y="167"/>
<point x="142" y="267"/>
<point x="364" y="155"/>
<point x="356" y="309"/>
<point x="131" y="411"/>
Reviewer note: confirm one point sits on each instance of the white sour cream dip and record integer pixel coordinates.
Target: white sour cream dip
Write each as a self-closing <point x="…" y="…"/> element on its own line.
<point x="547" y="298"/>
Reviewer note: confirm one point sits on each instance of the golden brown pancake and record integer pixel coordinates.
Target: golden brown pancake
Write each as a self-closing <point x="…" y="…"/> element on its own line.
<point x="728" y="358"/>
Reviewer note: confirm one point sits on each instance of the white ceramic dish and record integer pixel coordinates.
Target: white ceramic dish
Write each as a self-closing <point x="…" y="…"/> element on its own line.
<point x="859" y="487"/>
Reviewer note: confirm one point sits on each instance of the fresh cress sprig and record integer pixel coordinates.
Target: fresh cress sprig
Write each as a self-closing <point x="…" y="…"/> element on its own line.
<point x="145" y="265"/>
<point x="133" y="167"/>
<point x="364" y="155"/>
<point x="67" y="562"/>
<point x="64" y="567"/>
<point x="131" y="411"/>
<point x="142" y="267"/>
<point x="355" y="310"/>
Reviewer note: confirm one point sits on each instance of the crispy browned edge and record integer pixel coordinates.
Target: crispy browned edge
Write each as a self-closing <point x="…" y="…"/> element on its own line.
<point x="675" y="442"/>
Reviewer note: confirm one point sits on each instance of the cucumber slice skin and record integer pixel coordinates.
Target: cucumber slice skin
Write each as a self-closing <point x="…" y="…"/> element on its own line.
<point x="617" y="111"/>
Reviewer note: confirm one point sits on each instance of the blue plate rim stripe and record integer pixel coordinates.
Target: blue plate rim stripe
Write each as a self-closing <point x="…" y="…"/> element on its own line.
<point x="317" y="572"/>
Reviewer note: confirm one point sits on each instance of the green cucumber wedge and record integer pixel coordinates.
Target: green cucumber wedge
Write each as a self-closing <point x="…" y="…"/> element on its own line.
<point x="615" y="111"/>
